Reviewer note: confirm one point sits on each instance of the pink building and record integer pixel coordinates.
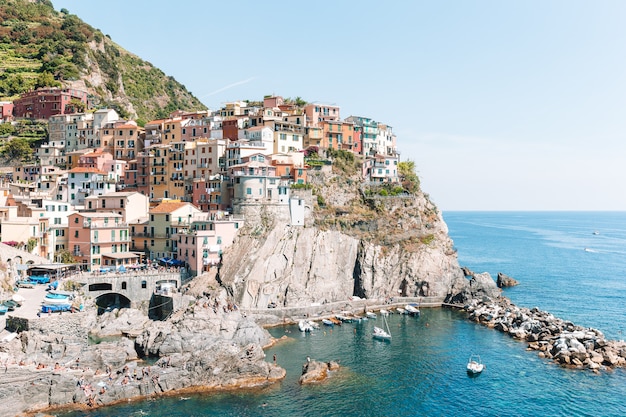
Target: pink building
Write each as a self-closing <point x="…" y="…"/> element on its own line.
<point x="99" y="240"/>
<point x="6" y="111"/>
<point x="202" y="246"/>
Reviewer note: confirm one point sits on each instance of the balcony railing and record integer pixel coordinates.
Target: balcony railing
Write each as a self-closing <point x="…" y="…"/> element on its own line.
<point x="111" y="225"/>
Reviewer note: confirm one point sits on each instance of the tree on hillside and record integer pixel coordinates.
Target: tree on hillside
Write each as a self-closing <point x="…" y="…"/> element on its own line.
<point x="408" y="177"/>
<point x="46" y="79"/>
<point x="6" y="129"/>
<point x="17" y="150"/>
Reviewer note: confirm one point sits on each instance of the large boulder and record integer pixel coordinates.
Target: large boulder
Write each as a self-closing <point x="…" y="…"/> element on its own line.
<point x="505" y="281"/>
<point x="314" y="371"/>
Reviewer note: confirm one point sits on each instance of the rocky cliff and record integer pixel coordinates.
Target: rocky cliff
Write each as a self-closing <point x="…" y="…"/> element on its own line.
<point x="206" y="346"/>
<point x="355" y="243"/>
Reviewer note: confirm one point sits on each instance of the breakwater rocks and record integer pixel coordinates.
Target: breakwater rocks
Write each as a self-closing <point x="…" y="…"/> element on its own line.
<point x="560" y="340"/>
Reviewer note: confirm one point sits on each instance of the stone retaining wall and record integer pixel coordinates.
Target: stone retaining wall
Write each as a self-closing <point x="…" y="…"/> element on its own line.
<point x="273" y="316"/>
<point x="68" y="324"/>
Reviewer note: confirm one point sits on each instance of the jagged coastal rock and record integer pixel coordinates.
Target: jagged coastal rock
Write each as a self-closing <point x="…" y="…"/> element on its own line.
<point x="504" y="280"/>
<point x="209" y="345"/>
<point x="314" y="372"/>
<point x="354" y="246"/>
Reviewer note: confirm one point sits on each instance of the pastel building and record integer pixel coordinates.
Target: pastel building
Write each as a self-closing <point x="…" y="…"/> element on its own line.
<point x="337" y="135"/>
<point x="317" y="113"/>
<point x="99" y="240"/>
<point x="381" y="168"/>
<point x="132" y="206"/>
<point x="165" y="220"/>
<point x="83" y="182"/>
<point x="202" y="245"/>
<point x="257" y="181"/>
<point x="6" y="111"/>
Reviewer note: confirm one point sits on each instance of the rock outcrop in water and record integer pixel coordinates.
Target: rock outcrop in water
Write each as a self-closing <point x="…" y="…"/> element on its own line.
<point x="504" y="280"/>
<point x="314" y="372"/>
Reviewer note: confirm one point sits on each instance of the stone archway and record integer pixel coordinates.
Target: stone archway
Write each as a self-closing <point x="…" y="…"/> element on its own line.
<point x="110" y="301"/>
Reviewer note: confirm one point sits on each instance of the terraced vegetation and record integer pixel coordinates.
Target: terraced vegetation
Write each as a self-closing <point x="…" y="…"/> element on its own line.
<point x="42" y="47"/>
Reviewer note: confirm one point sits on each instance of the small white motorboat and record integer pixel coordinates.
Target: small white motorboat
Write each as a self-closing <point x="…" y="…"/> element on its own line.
<point x="412" y="310"/>
<point x="474" y="365"/>
<point x="384" y="312"/>
<point x="370" y="315"/>
<point x="305" y="326"/>
<point x="400" y="310"/>
<point x="328" y="322"/>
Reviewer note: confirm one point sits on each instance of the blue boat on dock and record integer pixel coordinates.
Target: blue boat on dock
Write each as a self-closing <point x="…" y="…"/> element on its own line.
<point x="55" y="308"/>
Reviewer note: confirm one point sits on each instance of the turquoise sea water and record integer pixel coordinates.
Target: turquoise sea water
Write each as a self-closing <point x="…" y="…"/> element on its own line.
<point x="422" y="371"/>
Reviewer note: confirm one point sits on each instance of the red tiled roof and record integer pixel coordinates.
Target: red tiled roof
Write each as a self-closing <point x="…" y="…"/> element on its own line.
<point x="167" y="207"/>
<point x="86" y="169"/>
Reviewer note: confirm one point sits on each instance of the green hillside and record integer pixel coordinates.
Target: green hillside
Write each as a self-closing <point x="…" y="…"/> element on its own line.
<point x="42" y="47"/>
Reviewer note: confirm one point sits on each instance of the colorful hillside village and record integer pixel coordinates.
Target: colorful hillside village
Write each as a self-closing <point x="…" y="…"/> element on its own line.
<point x="112" y="193"/>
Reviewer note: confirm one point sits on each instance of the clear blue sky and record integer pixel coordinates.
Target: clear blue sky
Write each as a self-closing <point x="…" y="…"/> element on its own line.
<point x="503" y="105"/>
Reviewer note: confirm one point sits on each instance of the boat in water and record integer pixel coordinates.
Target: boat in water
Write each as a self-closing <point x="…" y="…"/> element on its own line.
<point x="335" y="321"/>
<point x="305" y="326"/>
<point x="474" y="365"/>
<point x="382" y="334"/>
<point x="328" y="322"/>
<point x="370" y="315"/>
<point x="412" y="309"/>
<point x="384" y="312"/>
<point x="401" y="310"/>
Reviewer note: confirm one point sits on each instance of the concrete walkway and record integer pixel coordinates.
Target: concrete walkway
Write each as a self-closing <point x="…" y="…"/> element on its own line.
<point x="32" y="304"/>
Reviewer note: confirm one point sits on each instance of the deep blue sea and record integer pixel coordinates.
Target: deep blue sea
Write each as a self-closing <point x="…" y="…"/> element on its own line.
<point x="568" y="263"/>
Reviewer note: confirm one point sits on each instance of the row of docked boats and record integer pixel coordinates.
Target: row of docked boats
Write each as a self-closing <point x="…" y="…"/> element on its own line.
<point x="380" y="333"/>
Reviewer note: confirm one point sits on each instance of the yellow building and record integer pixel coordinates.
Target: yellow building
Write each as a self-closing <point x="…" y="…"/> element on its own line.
<point x="165" y="220"/>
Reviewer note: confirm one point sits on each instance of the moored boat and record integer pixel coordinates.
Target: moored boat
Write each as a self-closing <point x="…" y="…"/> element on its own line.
<point x="412" y="309"/>
<point x="305" y="326"/>
<point x="328" y="322"/>
<point x="370" y="314"/>
<point x="55" y="300"/>
<point x="474" y="365"/>
<point x="384" y="312"/>
<point x="400" y="310"/>
<point x="53" y="308"/>
<point x="382" y="334"/>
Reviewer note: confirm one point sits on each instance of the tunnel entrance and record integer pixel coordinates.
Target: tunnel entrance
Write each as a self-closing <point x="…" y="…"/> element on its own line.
<point x="111" y="301"/>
